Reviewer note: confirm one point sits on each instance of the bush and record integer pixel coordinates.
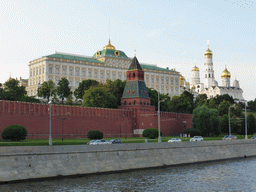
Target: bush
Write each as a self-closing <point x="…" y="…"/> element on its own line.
<point x="192" y="132"/>
<point x="151" y="133"/>
<point x="94" y="134"/>
<point x="14" y="133"/>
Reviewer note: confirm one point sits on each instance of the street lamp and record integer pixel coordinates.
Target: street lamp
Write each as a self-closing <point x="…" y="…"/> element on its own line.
<point x="229" y="118"/>
<point x="245" y="121"/>
<point x="159" y="131"/>
<point x="50" y="134"/>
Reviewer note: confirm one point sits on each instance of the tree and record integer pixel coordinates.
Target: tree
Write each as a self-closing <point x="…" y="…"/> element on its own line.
<point x="69" y="100"/>
<point x="204" y="120"/>
<point x="99" y="96"/>
<point x="212" y="103"/>
<point x="181" y="104"/>
<point x="12" y="91"/>
<point x="83" y="86"/>
<point x="201" y="100"/>
<point x="224" y="124"/>
<point x="251" y="124"/>
<point x="214" y="123"/>
<point x="236" y="125"/>
<point x="63" y="89"/>
<point x="46" y="90"/>
<point x="223" y="107"/>
<point x="252" y="105"/>
<point x="116" y="88"/>
<point x="153" y="94"/>
<point x="221" y="98"/>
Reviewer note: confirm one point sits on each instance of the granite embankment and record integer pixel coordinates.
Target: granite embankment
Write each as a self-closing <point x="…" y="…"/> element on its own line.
<point x="35" y="162"/>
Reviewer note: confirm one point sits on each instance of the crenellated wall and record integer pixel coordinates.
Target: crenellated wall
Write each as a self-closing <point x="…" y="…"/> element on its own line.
<point x="76" y="121"/>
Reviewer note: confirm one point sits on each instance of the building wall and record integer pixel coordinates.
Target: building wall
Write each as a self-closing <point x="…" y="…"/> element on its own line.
<point x="75" y="122"/>
<point x="54" y="69"/>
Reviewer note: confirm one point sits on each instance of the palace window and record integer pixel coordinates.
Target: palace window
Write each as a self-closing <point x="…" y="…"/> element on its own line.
<point x="167" y="80"/>
<point x="83" y="73"/>
<point x="70" y="71"/>
<point x="64" y="70"/>
<point x="57" y="70"/>
<point x="30" y="73"/>
<point x="43" y="70"/>
<point x="107" y="75"/>
<point x="176" y="81"/>
<point x="40" y="71"/>
<point x="114" y="76"/>
<point x="89" y="73"/>
<point x="77" y="72"/>
<point x="96" y="74"/>
<point x="119" y="75"/>
<point x="162" y="80"/>
<point x="157" y="79"/>
<point x="152" y="79"/>
<point x="36" y="71"/>
<point x="77" y="83"/>
<point x="147" y="79"/>
<point x="50" y="70"/>
<point x="101" y="74"/>
<point x="171" y="81"/>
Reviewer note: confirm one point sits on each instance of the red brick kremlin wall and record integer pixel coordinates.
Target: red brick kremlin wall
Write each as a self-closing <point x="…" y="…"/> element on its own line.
<point x="75" y="121"/>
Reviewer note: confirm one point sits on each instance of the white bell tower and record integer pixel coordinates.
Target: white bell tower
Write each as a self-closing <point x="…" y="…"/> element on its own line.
<point x="208" y="68"/>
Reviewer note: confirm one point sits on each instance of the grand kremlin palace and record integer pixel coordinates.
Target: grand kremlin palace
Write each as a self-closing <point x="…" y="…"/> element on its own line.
<point x="108" y="63"/>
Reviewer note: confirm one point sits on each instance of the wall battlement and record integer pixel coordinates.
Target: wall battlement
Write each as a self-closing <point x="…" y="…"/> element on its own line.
<point x="76" y="121"/>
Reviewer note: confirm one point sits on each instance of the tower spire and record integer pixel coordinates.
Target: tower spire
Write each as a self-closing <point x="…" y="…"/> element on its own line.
<point x="208" y="43"/>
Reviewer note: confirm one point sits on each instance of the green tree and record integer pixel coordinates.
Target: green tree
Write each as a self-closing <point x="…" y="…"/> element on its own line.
<point x="69" y="100"/>
<point x="12" y="91"/>
<point x="83" y="86"/>
<point x="116" y="88"/>
<point x="252" y="105"/>
<point x="212" y="103"/>
<point x="181" y="104"/>
<point x="224" y="107"/>
<point x="236" y="125"/>
<point x="214" y="123"/>
<point x="224" y="124"/>
<point x="63" y="89"/>
<point x="46" y="90"/>
<point x="99" y="96"/>
<point x="204" y="120"/>
<point x="201" y="100"/>
<point x="164" y="105"/>
<point x="220" y="98"/>
<point x="251" y="124"/>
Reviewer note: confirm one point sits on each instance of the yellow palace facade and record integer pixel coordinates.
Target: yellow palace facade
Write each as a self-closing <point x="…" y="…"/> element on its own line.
<point x="108" y="63"/>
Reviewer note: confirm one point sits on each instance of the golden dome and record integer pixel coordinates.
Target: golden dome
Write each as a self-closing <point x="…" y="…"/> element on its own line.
<point x="225" y="73"/>
<point x="109" y="46"/>
<point x="195" y="68"/>
<point x="193" y="87"/>
<point x="187" y="83"/>
<point x="182" y="78"/>
<point x="208" y="52"/>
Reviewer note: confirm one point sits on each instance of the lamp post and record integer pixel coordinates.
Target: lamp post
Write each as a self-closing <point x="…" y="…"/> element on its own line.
<point x="159" y="132"/>
<point x="245" y="121"/>
<point x="229" y="118"/>
<point x="50" y="132"/>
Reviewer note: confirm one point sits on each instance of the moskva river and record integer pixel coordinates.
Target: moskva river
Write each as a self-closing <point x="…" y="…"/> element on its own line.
<point x="229" y="175"/>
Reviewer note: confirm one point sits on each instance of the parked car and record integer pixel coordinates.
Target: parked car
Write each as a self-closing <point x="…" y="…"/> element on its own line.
<point x="174" y="140"/>
<point x="225" y="137"/>
<point x="115" y="141"/>
<point x="90" y="142"/>
<point x="231" y="137"/>
<point x="197" y="138"/>
<point x="254" y="137"/>
<point x="99" y="142"/>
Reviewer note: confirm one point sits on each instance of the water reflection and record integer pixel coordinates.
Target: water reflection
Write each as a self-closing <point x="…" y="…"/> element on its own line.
<point x="232" y="175"/>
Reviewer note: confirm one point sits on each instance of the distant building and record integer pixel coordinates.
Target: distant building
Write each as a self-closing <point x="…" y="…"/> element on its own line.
<point x="108" y="63"/>
<point x="210" y="86"/>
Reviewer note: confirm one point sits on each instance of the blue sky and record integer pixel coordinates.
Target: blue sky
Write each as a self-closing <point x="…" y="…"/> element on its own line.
<point x="169" y="33"/>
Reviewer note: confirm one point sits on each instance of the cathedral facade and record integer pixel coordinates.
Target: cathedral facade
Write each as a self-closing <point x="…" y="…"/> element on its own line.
<point x="210" y="87"/>
<point x="108" y="63"/>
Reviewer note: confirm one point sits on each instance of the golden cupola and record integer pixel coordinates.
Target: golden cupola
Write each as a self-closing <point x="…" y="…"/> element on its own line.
<point x="195" y="68"/>
<point x="208" y="53"/>
<point x="109" y="46"/>
<point x="225" y="73"/>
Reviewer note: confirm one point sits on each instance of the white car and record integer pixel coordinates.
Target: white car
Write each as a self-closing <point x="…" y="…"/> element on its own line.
<point x="197" y="138"/>
<point x="99" y="142"/>
<point x="174" y="140"/>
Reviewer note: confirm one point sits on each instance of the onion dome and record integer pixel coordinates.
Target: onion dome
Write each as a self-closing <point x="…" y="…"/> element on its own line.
<point x="187" y="83"/>
<point x="208" y="51"/>
<point x="109" y="46"/>
<point x="193" y="87"/>
<point x="195" y="68"/>
<point x="225" y="73"/>
<point x="182" y="78"/>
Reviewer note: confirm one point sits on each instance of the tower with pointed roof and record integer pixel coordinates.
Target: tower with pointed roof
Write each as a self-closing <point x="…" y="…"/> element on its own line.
<point x="135" y="95"/>
<point x="208" y="66"/>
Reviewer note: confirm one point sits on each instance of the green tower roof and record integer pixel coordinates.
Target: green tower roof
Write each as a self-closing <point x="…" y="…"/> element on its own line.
<point x="135" y="64"/>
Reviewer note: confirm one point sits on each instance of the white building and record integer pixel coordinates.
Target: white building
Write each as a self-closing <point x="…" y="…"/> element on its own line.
<point x="210" y="86"/>
<point x="108" y="63"/>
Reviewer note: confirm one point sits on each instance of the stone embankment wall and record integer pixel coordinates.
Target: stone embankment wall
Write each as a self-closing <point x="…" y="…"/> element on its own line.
<point x="21" y="163"/>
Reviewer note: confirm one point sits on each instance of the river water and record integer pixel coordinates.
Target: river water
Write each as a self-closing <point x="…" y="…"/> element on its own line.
<point x="229" y="175"/>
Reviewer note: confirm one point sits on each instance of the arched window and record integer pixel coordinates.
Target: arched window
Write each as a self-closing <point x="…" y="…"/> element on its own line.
<point x="133" y="75"/>
<point x="134" y="102"/>
<point x="144" y="102"/>
<point x="124" y="102"/>
<point x="129" y="75"/>
<point x="209" y="75"/>
<point x="205" y="75"/>
<point x="139" y="75"/>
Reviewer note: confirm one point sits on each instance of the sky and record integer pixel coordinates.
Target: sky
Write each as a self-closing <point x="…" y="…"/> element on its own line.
<point x="166" y="33"/>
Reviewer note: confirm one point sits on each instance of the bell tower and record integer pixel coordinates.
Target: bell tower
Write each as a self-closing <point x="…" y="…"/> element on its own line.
<point x="135" y="95"/>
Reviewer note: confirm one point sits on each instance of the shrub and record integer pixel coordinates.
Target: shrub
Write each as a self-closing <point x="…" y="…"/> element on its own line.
<point x="94" y="134"/>
<point x="151" y="133"/>
<point x="14" y="133"/>
<point x="193" y="132"/>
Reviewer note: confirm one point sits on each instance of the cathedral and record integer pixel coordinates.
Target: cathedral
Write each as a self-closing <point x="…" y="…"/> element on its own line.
<point x="108" y="63"/>
<point x="210" y="87"/>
